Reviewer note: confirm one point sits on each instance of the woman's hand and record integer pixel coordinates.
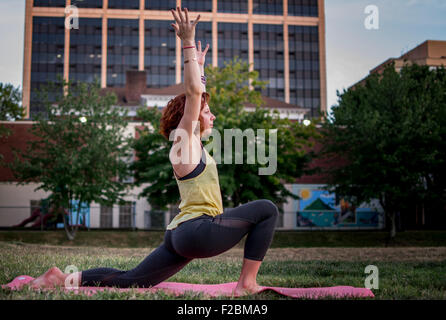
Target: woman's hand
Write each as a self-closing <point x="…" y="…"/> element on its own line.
<point x="184" y="28"/>
<point x="201" y="54"/>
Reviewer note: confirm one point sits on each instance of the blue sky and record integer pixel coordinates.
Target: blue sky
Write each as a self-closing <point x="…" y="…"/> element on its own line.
<point x="352" y="50"/>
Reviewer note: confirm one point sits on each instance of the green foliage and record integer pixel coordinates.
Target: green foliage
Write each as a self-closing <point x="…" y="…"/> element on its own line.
<point x="10" y="103"/>
<point x="79" y="148"/>
<point x="10" y="107"/>
<point x="392" y="134"/>
<point x="239" y="183"/>
<point x="153" y="165"/>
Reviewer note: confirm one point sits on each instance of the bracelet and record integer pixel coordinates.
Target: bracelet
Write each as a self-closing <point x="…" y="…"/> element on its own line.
<point x="189" y="47"/>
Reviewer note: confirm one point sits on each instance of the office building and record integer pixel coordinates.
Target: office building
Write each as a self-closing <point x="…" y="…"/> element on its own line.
<point x="284" y="40"/>
<point x="430" y="53"/>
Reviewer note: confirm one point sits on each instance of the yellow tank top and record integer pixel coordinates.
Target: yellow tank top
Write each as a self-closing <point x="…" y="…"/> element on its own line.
<point x="199" y="195"/>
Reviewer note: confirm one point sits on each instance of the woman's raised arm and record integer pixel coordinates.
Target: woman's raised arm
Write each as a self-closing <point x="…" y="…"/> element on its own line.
<point x="192" y="75"/>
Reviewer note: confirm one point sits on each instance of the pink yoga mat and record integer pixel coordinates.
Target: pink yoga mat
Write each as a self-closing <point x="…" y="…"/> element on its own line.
<point x="215" y="290"/>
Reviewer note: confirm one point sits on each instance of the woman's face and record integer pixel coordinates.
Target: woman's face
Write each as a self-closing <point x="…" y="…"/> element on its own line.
<point x="207" y="120"/>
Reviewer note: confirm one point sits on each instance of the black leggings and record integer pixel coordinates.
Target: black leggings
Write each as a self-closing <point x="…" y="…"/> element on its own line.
<point x="201" y="237"/>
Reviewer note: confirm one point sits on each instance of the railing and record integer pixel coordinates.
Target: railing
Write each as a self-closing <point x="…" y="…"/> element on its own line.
<point x="132" y="219"/>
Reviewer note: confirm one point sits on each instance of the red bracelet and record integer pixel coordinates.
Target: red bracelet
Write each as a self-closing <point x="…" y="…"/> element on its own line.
<point x="188" y="47"/>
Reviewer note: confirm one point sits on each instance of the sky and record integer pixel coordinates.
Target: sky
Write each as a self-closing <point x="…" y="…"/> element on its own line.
<point x="352" y="50"/>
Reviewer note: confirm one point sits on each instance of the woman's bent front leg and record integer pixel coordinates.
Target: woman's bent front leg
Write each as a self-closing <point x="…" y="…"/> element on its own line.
<point x="160" y="265"/>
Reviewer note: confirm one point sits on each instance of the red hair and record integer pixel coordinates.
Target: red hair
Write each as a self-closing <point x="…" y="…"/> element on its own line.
<point x="173" y="112"/>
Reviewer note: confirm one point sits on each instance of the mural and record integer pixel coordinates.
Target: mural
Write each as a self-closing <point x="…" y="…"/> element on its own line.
<point x="319" y="208"/>
<point x="84" y="219"/>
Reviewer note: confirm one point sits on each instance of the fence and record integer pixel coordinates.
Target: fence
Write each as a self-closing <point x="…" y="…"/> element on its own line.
<point x="127" y="217"/>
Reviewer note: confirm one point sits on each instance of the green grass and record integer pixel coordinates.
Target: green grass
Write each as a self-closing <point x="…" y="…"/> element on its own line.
<point x="282" y="239"/>
<point x="397" y="279"/>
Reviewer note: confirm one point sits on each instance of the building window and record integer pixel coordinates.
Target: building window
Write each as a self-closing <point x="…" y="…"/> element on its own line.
<point x="154" y="219"/>
<point x="86" y="51"/>
<point x="232" y="6"/>
<point x="204" y="34"/>
<point x="126" y="215"/>
<point x="269" y="59"/>
<point x="123" y="4"/>
<point x="280" y="218"/>
<point x="47" y="62"/>
<point x="307" y="8"/>
<point x="159" y="53"/>
<point x="274" y="7"/>
<point x="128" y="161"/>
<point x="232" y="41"/>
<point x="106" y="217"/>
<point x="304" y="67"/>
<point x="49" y="3"/>
<point x="161" y="4"/>
<point x="122" y="51"/>
<point x="87" y="3"/>
<point x="197" y="5"/>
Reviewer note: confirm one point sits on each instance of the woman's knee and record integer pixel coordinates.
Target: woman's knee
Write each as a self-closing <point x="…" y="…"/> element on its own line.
<point x="269" y="207"/>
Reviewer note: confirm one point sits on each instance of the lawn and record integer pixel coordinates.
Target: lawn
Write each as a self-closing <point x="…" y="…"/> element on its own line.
<point x="282" y="239"/>
<point x="404" y="272"/>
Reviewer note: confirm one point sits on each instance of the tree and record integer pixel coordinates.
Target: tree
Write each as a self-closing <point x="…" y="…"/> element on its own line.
<point x="239" y="183"/>
<point x="79" y="152"/>
<point x="391" y="133"/>
<point x="10" y="108"/>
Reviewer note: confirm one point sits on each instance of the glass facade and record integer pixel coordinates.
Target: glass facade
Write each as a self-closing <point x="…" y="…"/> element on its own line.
<point x="47" y="61"/>
<point x="307" y="8"/>
<point x="232" y="41"/>
<point x="49" y="3"/>
<point x="203" y="33"/>
<point x="274" y="7"/>
<point x="85" y="59"/>
<point x="269" y="59"/>
<point x="197" y="5"/>
<point x="304" y="67"/>
<point x="160" y="4"/>
<point x="232" y="6"/>
<point x="122" y="49"/>
<point x="86" y="50"/>
<point x="87" y="3"/>
<point x="123" y="4"/>
<point x="159" y="53"/>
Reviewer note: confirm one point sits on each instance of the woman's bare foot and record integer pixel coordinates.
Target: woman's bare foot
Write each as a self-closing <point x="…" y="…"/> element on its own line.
<point x="53" y="277"/>
<point x="246" y="289"/>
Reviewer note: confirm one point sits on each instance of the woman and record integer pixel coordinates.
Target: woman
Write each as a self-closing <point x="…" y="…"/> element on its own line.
<point x="201" y="229"/>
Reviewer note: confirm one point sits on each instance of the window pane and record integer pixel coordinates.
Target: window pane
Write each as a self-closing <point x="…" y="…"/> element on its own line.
<point x="232" y="6"/>
<point x="47" y="59"/>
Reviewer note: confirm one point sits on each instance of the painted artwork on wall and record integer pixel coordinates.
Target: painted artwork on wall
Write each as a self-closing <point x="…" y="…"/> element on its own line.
<point x="321" y="209"/>
<point x="84" y="218"/>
